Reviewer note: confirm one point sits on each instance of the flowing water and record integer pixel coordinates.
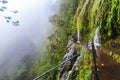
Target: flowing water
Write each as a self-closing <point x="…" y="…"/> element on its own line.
<point x="96" y="38"/>
<point x="78" y="35"/>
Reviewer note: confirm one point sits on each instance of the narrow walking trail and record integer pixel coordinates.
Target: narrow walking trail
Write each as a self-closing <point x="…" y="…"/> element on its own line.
<point x="108" y="69"/>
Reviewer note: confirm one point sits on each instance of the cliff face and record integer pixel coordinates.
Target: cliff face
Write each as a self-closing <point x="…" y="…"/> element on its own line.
<point x="91" y="14"/>
<point x="83" y="19"/>
<point x="85" y="16"/>
<point x="78" y="63"/>
<point x="70" y="58"/>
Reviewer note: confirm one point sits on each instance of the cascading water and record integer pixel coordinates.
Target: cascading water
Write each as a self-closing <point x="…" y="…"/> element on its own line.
<point x="96" y="38"/>
<point x="78" y="35"/>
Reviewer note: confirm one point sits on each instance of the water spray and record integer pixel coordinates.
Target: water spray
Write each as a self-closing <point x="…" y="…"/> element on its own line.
<point x="78" y="35"/>
<point x="96" y="38"/>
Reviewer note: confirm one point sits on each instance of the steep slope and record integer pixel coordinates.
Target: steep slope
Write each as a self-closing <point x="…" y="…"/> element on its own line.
<point x="88" y="16"/>
<point x="84" y="16"/>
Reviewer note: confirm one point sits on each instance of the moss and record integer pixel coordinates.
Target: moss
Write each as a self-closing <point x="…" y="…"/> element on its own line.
<point x="114" y="56"/>
<point x="85" y="15"/>
<point x="82" y="71"/>
<point x="78" y="46"/>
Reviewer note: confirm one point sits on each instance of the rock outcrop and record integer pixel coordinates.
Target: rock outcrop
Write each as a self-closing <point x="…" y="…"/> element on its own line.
<point x="69" y="59"/>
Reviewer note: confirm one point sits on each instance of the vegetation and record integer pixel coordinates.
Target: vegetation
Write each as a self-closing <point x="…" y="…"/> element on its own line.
<point x="88" y="15"/>
<point x="110" y="21"/>
<point x="91" y="14"/>
<point x="114" y="56"/>
<point x="113" y="45"/>
<point x="84" y="71"/>
<point x="56" y="44"/>
<point x="85" y="15"/>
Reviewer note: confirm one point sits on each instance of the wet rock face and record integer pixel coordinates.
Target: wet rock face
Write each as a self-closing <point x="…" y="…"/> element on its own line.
<point x="69" y="59"/>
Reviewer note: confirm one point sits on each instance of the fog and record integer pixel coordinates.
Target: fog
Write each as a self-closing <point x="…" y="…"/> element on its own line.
<point x="19" y="41"/>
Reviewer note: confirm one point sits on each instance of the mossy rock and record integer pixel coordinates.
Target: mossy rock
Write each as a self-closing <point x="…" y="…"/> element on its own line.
<point x="78" y="46"/>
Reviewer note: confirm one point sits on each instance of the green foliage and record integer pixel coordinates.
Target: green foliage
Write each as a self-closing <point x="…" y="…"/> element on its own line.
<point x="56" y="45"/>
<point x="85" y="71"/>
<point x="114" y="56"/>
<point x="108" y="43"/>
<point x="85" y="15"/>
<point x="111" y="19"/>
<point x="113" y="43"/>
<point x="91" y="14"/>
<point x="84" y="67"/>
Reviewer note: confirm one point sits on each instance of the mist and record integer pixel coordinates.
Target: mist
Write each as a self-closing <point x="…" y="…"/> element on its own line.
<point x="17" y="42"/>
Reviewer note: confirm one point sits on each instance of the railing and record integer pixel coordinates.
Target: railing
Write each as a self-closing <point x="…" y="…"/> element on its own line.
<point x="50" y="70"/>
<point x="94" y="61"/>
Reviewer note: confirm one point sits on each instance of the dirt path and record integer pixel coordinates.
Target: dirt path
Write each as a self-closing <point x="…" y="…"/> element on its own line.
<point x="108" y="69"/>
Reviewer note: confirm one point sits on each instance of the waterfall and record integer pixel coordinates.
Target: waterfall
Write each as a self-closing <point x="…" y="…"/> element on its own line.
<point x="78" y="35"/>
<point x="96" y="38"/>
